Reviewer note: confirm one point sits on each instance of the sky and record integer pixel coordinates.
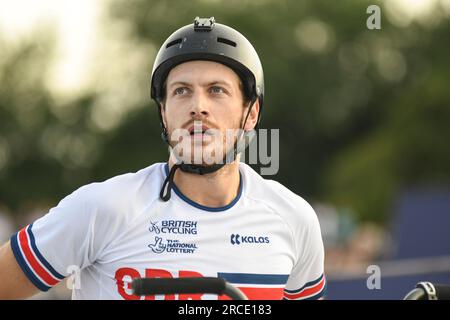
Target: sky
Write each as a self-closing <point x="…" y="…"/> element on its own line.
<point x="76" y="23"/>
<point x="91" y="55"/>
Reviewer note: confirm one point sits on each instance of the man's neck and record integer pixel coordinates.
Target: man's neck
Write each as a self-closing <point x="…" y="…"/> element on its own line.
<point x="215" y="189"/>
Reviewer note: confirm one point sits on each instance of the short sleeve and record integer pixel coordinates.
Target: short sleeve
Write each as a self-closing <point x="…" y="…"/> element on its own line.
<point x="307" y="279"/>
<point x="49" y="249"/>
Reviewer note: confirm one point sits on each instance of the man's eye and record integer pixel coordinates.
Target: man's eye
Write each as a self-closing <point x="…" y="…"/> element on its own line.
<point x="216" y="89"/>
<point x="181" y="90"/>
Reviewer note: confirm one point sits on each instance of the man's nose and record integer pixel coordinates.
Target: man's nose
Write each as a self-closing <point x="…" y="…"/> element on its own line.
<point x="199" y="105"/>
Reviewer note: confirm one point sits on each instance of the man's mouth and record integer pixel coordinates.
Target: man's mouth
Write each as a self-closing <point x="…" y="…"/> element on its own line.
<point x="198" y="130"/>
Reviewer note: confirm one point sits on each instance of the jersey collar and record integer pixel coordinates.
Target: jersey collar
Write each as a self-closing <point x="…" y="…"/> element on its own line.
<point x="200" y="206"/>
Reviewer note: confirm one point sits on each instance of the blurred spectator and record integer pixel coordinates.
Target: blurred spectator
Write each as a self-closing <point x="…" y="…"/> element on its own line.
<point x="349" y="247"/>
<point x="329" y="223"/>
<point x="337" y="224"/>
<point x="364" y="247"/>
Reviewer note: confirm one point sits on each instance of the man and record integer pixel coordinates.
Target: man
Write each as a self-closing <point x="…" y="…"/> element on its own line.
<point x="182" y="218"/>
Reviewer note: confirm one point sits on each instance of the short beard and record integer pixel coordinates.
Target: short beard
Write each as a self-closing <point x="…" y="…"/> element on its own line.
<point x="199" y="158"/>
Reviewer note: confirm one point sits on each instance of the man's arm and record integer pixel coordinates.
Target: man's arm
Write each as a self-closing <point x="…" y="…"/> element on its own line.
<point x="307" y="279"/>
<point x="14" y="284"/>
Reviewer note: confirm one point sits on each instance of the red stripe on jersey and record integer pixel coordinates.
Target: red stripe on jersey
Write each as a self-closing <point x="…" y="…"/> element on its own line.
<point x="259" y="293"/>
<point x="307" y="291"/>
<point x="31" y="260"/>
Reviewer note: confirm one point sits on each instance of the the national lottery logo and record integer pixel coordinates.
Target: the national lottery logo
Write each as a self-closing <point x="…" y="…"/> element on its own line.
<point x="173" y="227"/>
<point x="172" y="246"/>
<point x="158" y="246"/>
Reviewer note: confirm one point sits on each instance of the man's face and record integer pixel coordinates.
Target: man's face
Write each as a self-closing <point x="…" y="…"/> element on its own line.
<point x="204" y="96"/>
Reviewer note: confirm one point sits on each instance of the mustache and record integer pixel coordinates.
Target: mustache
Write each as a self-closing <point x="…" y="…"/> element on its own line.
<point x="191" y="123"/>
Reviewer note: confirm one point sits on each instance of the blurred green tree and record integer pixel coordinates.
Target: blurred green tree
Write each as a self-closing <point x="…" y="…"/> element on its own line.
<point x="362" y="113"/>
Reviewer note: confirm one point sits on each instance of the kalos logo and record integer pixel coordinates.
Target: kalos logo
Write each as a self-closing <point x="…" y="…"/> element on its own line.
<point x="237" y="239"/>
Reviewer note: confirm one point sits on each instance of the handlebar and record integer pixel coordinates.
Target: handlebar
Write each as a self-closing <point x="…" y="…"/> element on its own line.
<point x="429" y="291"/>
<point x="212" y="285"/>
<point x="193" y="285"/>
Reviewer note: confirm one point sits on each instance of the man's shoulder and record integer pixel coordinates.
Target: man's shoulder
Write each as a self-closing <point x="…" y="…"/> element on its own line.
<point x="278" y="197"/>
<point x="122" y="192"/>
<point x="125" y="184"/>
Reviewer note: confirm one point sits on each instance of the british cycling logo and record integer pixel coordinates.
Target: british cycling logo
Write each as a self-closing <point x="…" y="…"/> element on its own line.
<point x="154" y="227"/>
<point x="172" y="246"/>
<point x="237" y="239"/>
<point x="174" y="227"/>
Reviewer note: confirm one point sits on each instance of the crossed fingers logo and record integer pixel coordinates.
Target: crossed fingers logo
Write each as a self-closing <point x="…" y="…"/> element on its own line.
<point x="157" y="247"/>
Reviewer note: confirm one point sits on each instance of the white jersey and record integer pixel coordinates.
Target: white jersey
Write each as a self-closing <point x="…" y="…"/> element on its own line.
<point x="267" y="242"/>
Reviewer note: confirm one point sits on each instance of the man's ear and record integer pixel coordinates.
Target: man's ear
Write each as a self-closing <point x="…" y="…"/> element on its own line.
<point x="252" y="117"/>
<point x="162" y="109"/>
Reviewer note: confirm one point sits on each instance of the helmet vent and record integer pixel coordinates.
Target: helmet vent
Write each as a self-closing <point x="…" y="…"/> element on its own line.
<point x="174" y="42"/>
<point x="226" y="41"/>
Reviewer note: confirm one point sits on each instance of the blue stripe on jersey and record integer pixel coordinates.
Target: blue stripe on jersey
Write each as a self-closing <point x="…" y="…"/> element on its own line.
<point x="24" y="266"/>
<point x="308" y="284"/>
<point x="252" y="278"/>
<point x="41" y="257"/>
<point x="320" y="294"/>
<point x="202" y="207"/>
